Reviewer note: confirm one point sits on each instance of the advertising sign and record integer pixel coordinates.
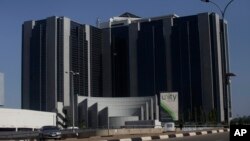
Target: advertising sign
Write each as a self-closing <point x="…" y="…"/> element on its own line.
<point x="169" y="106"/>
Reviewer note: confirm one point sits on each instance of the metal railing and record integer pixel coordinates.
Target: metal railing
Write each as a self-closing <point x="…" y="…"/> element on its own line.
<point x="18" y="135"/>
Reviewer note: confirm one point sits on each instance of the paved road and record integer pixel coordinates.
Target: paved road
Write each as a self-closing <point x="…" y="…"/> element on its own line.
<point x="210" y="137"/>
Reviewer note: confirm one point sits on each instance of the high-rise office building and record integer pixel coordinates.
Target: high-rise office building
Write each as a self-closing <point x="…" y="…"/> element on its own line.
<point x="1" y="89"/>
<point x="118" y="59"/>
<point x="135" y="55"/>
<point x="129" y="56"/>
<point x="188" y="55"/>
<point x="198" y="66"/>
<point x="52" y="49"/>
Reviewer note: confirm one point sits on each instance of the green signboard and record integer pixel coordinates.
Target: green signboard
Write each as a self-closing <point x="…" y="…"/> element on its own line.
<point x="169" y="106"/>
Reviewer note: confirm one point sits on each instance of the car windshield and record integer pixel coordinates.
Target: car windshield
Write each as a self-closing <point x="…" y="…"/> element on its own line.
<point x="50" y="128"/>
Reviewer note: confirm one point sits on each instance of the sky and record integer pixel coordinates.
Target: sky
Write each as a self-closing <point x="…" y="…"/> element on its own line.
<point x="14" y="12"/>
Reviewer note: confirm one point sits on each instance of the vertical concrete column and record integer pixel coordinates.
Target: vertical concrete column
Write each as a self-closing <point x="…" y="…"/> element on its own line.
<point x="218" y="66"/>
<point x="87" y="31"/>
<point x="66" y="61"/>
<point x="156" y="107"/>
<point x="146" y="111"/>
<point x="151" y="109"/>
<point x="142" y="113"/>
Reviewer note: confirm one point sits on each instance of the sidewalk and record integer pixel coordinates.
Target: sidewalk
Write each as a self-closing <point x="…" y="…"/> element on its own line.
<point x="143" y="137"/>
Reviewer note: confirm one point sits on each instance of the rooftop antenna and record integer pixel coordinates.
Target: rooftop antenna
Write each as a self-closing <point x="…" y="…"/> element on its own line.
<point x="98" y="21"/>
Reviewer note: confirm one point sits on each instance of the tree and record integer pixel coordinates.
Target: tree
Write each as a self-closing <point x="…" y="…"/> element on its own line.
<point x="240" y="120"/>
<point x="82" y="124"/>
<point x="202" y="115"/>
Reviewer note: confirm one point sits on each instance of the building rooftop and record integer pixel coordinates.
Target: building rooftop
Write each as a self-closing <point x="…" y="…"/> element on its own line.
<point x="129" y="15"/>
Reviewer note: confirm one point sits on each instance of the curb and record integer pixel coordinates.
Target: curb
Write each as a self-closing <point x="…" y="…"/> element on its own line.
<point x="177" y="135"/>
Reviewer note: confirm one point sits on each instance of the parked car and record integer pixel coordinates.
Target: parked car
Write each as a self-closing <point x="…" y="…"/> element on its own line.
<point x="50" y="132"/>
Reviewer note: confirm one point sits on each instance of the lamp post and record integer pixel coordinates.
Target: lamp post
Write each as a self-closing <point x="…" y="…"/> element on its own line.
<point x="222" y="11"/>
<point x="227" y="74"/>
<point x="72" y="74"/>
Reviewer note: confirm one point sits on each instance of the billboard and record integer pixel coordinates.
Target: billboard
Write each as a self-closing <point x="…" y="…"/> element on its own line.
<point x="169" y="106"/>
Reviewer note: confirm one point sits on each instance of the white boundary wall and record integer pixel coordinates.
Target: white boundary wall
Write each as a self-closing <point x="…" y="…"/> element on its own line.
<point x="18" y="118"/>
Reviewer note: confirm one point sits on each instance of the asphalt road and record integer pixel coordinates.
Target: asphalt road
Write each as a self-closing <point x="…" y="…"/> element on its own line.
<point x="210" y="137"/>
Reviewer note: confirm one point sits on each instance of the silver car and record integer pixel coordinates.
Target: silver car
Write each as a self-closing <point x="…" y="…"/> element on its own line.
<point x="50" y="132"/>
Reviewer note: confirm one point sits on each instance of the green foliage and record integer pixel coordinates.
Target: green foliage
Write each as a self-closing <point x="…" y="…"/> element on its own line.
<point x="82" y="124"/>
<point x="212" y="116"/>
<point x="241" y="120"/>
<point x="202" y="114"/>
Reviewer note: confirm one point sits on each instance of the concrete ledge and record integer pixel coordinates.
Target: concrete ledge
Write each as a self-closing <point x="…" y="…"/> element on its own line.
<point x="113" y="132"/>
<point x="174" y="135"/>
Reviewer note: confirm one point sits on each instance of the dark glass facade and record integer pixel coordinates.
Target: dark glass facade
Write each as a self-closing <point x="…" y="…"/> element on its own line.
<point x="191" y="56"/>
<point x="120" y="61"/>
<point x="38" y="66"/>
<point x="186" y="66"/>
<point x="95" y="61"/>
<point x="151" y="57"/>
<point x="84" y="57"/>
<point x="79" y="58"/>
<point x="187" y="55"/>
<point x="60" y="73"/>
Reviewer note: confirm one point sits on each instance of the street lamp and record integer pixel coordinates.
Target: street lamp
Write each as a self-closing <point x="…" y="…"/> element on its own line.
<point x="222" y="11"/>
<point x="227" y="74"/>
<point x="72" y="74"/>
